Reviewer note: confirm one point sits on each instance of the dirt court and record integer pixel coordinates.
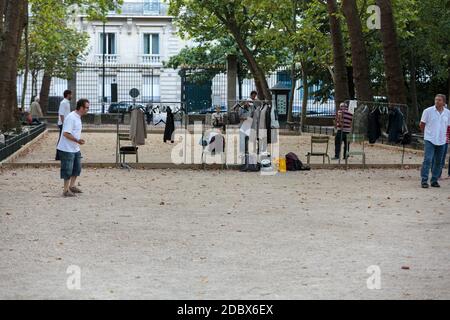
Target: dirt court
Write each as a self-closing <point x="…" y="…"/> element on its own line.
<point x="101" y="148"/>
<point x="224" y="235"/>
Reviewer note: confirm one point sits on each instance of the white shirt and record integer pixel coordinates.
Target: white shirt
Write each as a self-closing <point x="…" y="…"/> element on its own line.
<point x="72" y="125"/>
<point x="436" y="125"/>
<point x="64" y="110"/>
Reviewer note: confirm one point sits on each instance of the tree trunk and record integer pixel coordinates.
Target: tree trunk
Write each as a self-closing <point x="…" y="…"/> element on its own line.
<point x="339" y="59"/>
<point x="240" y="80"/>
<point x="351" y="83"/>
<point x="361" y="71"/>
<point x="305" y="99"/>
<point x="290" y="115"/>
<point x="45" y="91"/>
<point x="12" y="22"/>
<point x="413" y="115"/>
<point x="258" y="74"/>
<point x="392" y="63"/>
<point x="34" y="75"/>
<point x="27" y="64"/>
<point x="448" y="95"/>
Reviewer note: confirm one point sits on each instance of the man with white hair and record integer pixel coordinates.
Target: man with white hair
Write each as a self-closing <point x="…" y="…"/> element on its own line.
<point x="35" y="110"/>
<point x="434" y="124"/>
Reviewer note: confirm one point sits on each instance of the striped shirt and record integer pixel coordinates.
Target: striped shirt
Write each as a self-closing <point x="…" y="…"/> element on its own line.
<point x="448" y="134"/>
<point x="347" y="117"/>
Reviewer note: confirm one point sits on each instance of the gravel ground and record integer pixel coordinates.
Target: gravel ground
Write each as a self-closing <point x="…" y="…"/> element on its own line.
<point x="224" y="235"/>
<point x="100" y="148"/>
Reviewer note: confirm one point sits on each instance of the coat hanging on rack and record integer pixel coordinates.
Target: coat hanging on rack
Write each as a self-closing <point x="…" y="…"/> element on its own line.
<point x="138" y="127"/>
<point x="395" y="127"/>
<point x="170" y="126"/>
<point x="374" y="130"/>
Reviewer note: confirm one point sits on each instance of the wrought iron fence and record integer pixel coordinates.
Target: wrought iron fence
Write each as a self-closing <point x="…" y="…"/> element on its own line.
<point x="201" y="90"/>
<point x="206" y="88"/>
<point x="114" y="83"/>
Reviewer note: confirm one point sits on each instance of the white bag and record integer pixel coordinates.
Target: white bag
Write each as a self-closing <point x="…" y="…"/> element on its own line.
<point x="275" y="124"/>
<point x="246" y="126"/>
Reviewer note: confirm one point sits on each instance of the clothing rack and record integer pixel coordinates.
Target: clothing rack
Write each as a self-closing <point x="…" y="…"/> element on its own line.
<point x="258" y="106"/>
<point x="385" y="111"/>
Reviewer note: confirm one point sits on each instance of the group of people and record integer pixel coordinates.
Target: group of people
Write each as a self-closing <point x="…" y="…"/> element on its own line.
<point x="435" y="125"/>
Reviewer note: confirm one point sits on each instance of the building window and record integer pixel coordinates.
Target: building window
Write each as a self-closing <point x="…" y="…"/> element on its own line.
<point x="111" y="44"/>
<point x="151" y="89"/>
<point x="151" y="6"/>
<point x="151" y="43"/>
<point x="108" y="81"/>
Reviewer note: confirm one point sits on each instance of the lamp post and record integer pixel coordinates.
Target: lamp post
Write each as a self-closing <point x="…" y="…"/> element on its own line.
<point x="104" y="66"/>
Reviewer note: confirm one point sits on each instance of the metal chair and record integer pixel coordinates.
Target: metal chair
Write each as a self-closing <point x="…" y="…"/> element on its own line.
<point x="126" y="150"/>
<point x="319" y="140"/>
<point x="356" y="138"/>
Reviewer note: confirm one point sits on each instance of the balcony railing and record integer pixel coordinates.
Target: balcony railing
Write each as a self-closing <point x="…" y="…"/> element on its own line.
<point x="109" y="58"/>
<point x="150" y="59"/>
<point x="151" y="8"/>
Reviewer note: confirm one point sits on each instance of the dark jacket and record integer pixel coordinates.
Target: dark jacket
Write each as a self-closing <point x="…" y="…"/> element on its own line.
<point x="374" y="130"/>
<point x="170" y="126"/>
<point x="395" y="127"/>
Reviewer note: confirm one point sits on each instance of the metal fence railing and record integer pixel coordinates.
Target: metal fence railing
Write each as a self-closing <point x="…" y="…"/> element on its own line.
<point x="13" y="143"/>
<point x="201" y="90"/>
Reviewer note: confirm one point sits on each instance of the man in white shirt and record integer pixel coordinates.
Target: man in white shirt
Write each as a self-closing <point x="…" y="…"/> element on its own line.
<point x="69" y="148"/>
<point x="434" y="124"/>
<point x="63" y="112"/>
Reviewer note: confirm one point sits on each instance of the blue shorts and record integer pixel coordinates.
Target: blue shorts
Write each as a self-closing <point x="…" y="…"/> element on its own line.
<point x="70" y="164"/>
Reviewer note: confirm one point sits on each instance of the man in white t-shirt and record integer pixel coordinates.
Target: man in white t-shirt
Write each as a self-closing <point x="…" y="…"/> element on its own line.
<point x="69" y="148"/>
<point x="63" y="112"/>
<point x="434" y="124"/>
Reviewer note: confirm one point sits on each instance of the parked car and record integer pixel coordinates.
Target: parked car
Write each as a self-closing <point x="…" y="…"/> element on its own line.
<point x="158" y="113"/>
<point x="122" y="107"/>
<point x="223" y="109"/>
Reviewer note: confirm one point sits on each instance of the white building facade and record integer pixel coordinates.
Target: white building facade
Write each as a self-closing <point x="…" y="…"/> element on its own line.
<point x="133" y="45"/>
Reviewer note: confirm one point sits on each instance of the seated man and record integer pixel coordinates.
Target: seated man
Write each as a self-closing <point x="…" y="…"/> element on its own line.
<point x="217" y="118"/>
<point x="36" y="111"/>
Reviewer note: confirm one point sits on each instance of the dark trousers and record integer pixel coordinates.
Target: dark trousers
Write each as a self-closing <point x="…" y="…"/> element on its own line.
<point x="341" y="137"/>
<point x="57" y="158"/>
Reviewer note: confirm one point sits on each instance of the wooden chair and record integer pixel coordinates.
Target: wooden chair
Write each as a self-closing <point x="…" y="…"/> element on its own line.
<point x="356" y="138"/>
<point x="126" y="150"/>
<point x="319" y="140"/>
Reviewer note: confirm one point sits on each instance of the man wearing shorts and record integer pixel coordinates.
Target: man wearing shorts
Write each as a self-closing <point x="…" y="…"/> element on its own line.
<point x="69" y="148"/>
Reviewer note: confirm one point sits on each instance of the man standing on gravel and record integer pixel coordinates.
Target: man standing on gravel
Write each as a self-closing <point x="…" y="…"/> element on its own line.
<point x="69" y="148"/>
<point x="434" y="124"/>
<point x="63" y="112"/>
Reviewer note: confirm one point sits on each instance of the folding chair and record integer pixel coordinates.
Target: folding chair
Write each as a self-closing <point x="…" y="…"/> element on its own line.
<point x="319" y="140"/>
<point x="126" y="150"/>
<point x="356" y="138"/>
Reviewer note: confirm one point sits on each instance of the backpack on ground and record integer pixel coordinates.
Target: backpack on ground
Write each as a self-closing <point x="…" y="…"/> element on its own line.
<point x="293" y="163"/>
